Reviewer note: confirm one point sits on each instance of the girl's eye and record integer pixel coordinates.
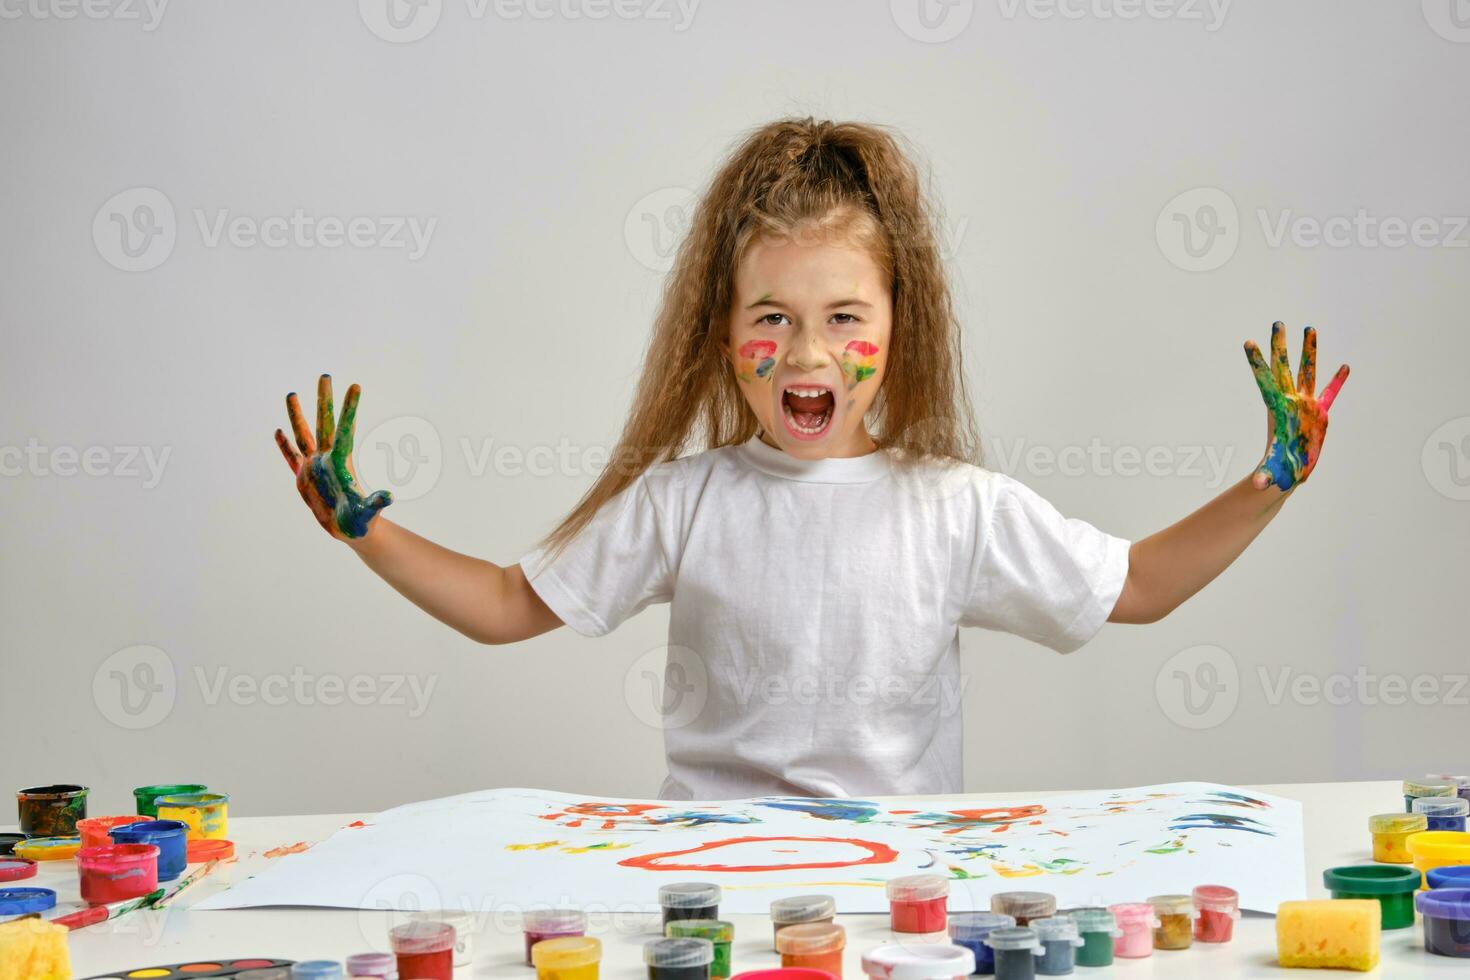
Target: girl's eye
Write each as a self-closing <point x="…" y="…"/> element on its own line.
<point x="845" y="318"/>
<point x="766" y="320"/>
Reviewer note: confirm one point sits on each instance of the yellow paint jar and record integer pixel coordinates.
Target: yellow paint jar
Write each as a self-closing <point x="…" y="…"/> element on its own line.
<point x="1391" y="834"/>
<point x="1439" y="849"/>
<point x="567" y="958"/>
<point x="205" y="814"/>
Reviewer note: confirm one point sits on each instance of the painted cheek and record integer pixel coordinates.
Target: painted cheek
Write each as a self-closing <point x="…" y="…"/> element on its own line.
<point x="859" y="362"/>
<point x="757" y="358"/>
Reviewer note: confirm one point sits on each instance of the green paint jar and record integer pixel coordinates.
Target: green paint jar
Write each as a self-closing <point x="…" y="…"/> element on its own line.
<point x="1097" y="928"/>
<point x="146" y="797"/>
<point x="1393" y="887"/>
<point x="720" y="934"/>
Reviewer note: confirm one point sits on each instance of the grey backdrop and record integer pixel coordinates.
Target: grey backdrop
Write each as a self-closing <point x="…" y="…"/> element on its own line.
<point x="208" y="204"/>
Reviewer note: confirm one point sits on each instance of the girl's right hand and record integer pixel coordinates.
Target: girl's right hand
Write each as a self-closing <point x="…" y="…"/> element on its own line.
<point x="325" y="474"/>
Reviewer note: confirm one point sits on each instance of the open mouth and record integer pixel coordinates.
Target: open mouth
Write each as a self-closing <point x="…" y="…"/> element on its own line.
<point x="807" y="410"/>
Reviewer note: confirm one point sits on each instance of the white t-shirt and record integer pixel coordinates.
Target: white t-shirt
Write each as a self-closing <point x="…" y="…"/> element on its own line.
<point x="815" y="606"/>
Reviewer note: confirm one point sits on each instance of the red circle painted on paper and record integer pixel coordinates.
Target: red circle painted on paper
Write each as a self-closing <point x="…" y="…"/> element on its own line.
<point x="877" y="854"/>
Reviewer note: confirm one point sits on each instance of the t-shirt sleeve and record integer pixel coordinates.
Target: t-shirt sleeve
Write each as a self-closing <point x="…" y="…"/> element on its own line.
<point x="1038" y="574"/>
<point x="612" y="568"/>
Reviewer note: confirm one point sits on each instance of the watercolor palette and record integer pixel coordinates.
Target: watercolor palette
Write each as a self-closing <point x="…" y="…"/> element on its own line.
<point x="195" y="969"/>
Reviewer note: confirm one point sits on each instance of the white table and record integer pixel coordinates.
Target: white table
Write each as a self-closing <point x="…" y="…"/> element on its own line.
<point x="1336" y="832"/>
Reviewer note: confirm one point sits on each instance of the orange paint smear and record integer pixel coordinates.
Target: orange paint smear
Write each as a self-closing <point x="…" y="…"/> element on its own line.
<point x="285" y="849"/>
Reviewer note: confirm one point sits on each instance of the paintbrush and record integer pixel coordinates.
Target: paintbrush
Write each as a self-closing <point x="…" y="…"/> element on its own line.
<point x="195" y="876"/>
<point x="101" y="913"/>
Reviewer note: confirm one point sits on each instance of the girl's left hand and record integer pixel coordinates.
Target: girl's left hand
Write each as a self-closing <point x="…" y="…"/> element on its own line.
<point x="1298" y="416"/>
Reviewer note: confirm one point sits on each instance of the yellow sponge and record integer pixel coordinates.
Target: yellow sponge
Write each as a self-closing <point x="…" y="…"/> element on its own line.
<point x="31" y="949"/>
<point x="1333" y="932"/>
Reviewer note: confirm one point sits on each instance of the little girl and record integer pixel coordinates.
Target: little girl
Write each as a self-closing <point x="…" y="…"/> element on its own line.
<point x="820" y="555"/>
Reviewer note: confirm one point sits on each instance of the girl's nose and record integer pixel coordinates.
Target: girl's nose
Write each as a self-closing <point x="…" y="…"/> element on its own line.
<point x="808" y="354"/>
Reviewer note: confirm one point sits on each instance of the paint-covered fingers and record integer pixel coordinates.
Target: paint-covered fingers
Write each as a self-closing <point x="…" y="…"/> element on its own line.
<point x="342" y="446"/>
<point x="325" y="414"/>
<point x="1306" y="376"/>
<point x="293" y="458"/>
<point x="1264" y="379"/>
<point x="378" y="500"/>
<point x="304" y="441"/>
<point x="1280" y="359"/>
<point x="1329" y="394"/>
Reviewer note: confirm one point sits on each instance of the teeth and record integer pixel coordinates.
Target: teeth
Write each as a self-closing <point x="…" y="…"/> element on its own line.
<point x="807" y="392"/>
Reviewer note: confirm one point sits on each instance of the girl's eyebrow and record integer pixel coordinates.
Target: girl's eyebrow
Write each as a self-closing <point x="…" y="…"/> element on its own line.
<point x="767" y="300"/>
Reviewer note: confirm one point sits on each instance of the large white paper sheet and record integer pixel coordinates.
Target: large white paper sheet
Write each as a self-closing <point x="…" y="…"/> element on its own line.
<point x="511" y="849"/>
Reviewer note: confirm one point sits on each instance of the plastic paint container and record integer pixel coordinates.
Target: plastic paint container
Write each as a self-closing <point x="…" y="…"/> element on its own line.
<point x="316" y="970"/>
<point x="167" y="835"/>
<point x="816" y="945"/>
<point x="1424" y="786"/>
<point x="23" y="901"/>
<point x="424" y="950"/>
<point x="542" y="924"/>
<point x="8" y="842"/>
<point x="205" y="814"/>
<point x="51" y="811"/>
<point x="93" y="830"/>
<point x="567" y="958"/>
<point x="918" y="903"/>
<point x="1391" y="886"/>
<point x="1391" y="833"/>
<point x="689" y="900"/>
<point x="801" y="908"/>
<point x="117" y="872"/>
<point x="1443" y="813"/>
<point x="1437" y="849"/>
<point x="16" y="869"/>
<point x="199" y="851"/>
<point x="1174" y="926"/>
<point x="1446" y="914"/>
<point x="784" y="973"/>
<point x="1449" y="876"/>
<point x="380" y="965"/>
<point x="721" y="934"/>
<point x="145" y="798"/>
<point x="268" y="973"/>
<point x="1024" y="906"/>
<point x="1016" y="951"/>
<point x="1136" y="923"/>
<point x="464" y="930"/>
<point x="1462" y="783"/>
<point x="1216" y="908"/>
<point x="921" y="961"/>
<point x="678" y="959"/>
<point x="969" y="929"/>
<point x="1097" y="928"/>
<point x="49" y="848"/>
<point x="1059" y="940"/>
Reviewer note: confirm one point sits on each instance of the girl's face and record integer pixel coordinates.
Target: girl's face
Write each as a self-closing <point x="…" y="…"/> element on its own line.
<point x="809" y="329"/>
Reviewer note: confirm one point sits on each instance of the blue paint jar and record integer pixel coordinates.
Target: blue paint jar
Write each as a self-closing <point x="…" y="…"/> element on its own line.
<point x="170" y="836"/>
<point x="1446" y="913"/>
<point x="969" y="929"/>
<point x="1443" y="813"/>
<point x="1059" y="941"/>
<point x="1016" y="951"/>
<point x="1449" y="876"/>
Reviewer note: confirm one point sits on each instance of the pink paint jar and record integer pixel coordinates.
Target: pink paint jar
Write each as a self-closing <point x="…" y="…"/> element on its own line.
<point x="1136" y="924"/>
<point x="117" y="872"/>
<point x="785" y="973"/>
<point x="424" y="950"/>
<point x="918" y="903"/>
<point x="1218" y="908"/>
<point x="539" y="924"/>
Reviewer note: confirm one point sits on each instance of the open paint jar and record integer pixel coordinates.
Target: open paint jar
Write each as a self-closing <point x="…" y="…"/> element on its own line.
<point x="93" y="830"/>
<point x="1059" y="940"/>
<point x="1216" y="909"/>
<point x="801" y="908"/>
<point x="1174" y="928"/>
<point x="817" y="945"/>
<point x="1391" y="835"/>
<point x="1024" y="906"/>
<point x="381" y="966"/>
<point x="1136" y="923"/>
<point x="464" y="930"/>
<point x="689" y="900"/>
<point x="424" y="950"/>
<point x="145" y="798"/>
<point x="1449" y="876"/>
<point x="1439" y="848"/>
<point x="921" y="961"/>
<point x="51" y="811"/>
<point x="1443" y="813"/>
<point x="1446" y="914"/>
<point x="678" y="959"/>
<point x="1393" y="887"/>
<point x="1415" y="789"/>
<point x="720" y="934"/>
<point x="205" y="814"/>
<point x="117" y="872"/>
<point x="169" y="836"/>
<point x="1016" y="952"/>
<point x="542" y="924"/>
<point x="1097" y="929"/>
<point x="567" y="958"/>
<point x="918" y="903"/>
<point x="969" y="929"/>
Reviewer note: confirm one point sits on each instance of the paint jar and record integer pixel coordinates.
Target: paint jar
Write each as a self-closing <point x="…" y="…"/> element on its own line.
<point x="567" y="958"/>
<point x="678" y="959"/>
<point x="51" y="811"/>
<point x="1024" y="906"/>
<point x="1393" y="887"/>
<point x="205" y="814"/>
<point x="8" y="842"/>
<point x="93" y="830"/>
<point x="1443" y="813"/>
<point x="1426" y="787"/>
<point x="1437" y="849"/>
<point x="424" y="950"/>
<point x="541" y="924"/>
<point x="689" y="900"/>
<point x="168" y="835"/>
<point x="316" y="970"/>
<point x="1449" y="876"/>
<point x="1217" y="908"/>
<point x="199" y="851"/>
<point x="117" y="872"/>
<point x="464" y="930"/>
<point x="380" y="965"/>
<point x="921" y="961"/>
<point x="1059" y="941"/>
<point x="1391" y="833"/>
<point x="1016" y="951"/>
<point x="1136" y="923"/>
<point x="1462" y="783"/>
<point x="1174" y="921"/>
<point x="1446" y="914"/>
<point x="969" y="929"/>
<point x="817" y="945"/>
<point x="49" y="848"/>
<point x="801" y="908"/>
<point x="918" y="903"/>
<point x="720" y="934"/>
<point x="1097" y="928"/>
<point x="145" y="798"/>
<point x="268" y="973"/>
<point x="784" y="973"/>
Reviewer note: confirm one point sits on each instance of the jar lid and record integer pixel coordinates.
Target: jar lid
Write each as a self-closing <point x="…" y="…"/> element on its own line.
<point x="316" y="970"/>
<point x="1372" y="879"/>
<point x="547" y="921"/>
<point x="715" y="930"/>
<point x="1024" y="905"/>
<point x="1061" y="928"/>
<point x="22" y="901"/>
<point x="1441" y="806"/>
<point x="973" y="926"/>
<point x="1450" y="846"/>
<point x="1093" y="920"/>
<point x="803" y="908"/>
<point x="688" y="895"/>
<point x="1216" y="898"/>
<point x="1013" y="938"/>
<point x="1132" y="913"/>
<point x="1172" y="904"/>
<point x="567" y="952"/>
<point x="371" y="965"/>
<point x="1397" y="823"/>
<point x="808" y="938"/>
<point x="1444" y="903"/>
<point x="1461" y="782"/>
<point x="416" y="938"/>
<point x="1424" y="786"/>
<point x="676" y="953"/>
<point x="936" y="961"/>
<point x="1448" y="876"/>
<point x="917" y="888"/>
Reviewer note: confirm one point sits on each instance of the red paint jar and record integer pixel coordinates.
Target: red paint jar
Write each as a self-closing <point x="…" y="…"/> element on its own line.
<point x="425" y="950"/>
<point x="1218" y="909"/>
<point x="117" y="872"/>
<point x="918" y="903"/>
